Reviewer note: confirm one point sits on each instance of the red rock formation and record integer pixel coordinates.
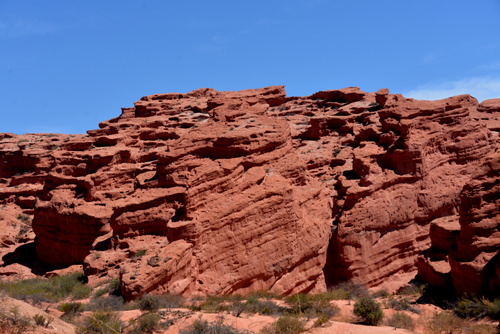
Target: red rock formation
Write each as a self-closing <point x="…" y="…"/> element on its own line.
<point x="472" y="257"/>
<point x="465" y="253"/>
<point x="230" y="192"/>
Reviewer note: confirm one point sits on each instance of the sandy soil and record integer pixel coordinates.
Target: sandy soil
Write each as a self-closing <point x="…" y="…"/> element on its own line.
<point x="342" y="323"/>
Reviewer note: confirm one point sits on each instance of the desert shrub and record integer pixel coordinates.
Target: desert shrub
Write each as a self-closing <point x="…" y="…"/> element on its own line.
<point x="470" y="308"/>
<point x="216" y="304"/>
<point x="324" y="310"/>
<point x="321" y="321"/>
<point x="480" y="329"/>
<point x="151" y="303"/>
<point x="200" y="326"/>
<point x="381" y="294"/>
<point x="312" y="306"/>
<point x="170" y="301"/>
<point x="262" y="294"/>
<point x="477" y="308"/>
<point x="101" y="292"/>
<point x="71" y="309"/>
<point x="42" y="321"/>
<point x="339" y="294"/>
<point x="401" y="304"/>
<point x="347" y="291"/>
<point x="368" y="311"/>
<point x="285" y="325"/>
<point x="299" y="303"/>
<point x="140" y="253"/>
<point x="401" y="320"/>
<point x="12" y="321"/>
<point x="494" y="309"/>
<point x="23" y="218"/>
<point x="80" y="291"/>
<point x="112" y="287"/>
<point x="444" y="322"/>
<point x="412" y="289"/>
<point x="52" y="289"/>
<point x="146" y="323"/>
<point x="237" y="308"/>
<point x="107" y="303"/>
<point x="101" y="322"/>
<point x="71" y="285"/>
<point x="266" y="307"/>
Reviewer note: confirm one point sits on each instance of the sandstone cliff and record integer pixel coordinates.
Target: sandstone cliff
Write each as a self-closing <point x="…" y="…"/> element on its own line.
<point x="230" y="192"/>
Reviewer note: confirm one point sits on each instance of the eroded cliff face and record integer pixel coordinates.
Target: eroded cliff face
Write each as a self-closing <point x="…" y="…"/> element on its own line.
<point x="230" y="192"/>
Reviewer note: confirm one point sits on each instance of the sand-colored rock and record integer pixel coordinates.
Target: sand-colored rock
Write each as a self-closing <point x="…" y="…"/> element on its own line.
<point x="233" y="192"/>
<point x="13" y="308"/>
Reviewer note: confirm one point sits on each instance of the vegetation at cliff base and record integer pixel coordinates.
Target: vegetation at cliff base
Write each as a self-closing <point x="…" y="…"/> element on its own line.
<point x="51" y="289"/>
<point x="200" y="326"/>
<point x="368" y="311"/>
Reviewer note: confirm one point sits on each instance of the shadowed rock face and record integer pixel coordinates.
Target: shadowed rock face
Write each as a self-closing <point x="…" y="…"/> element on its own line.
<point x="230" y="192"/>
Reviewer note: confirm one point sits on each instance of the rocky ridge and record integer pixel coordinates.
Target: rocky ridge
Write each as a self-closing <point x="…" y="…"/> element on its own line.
<point x="230" y="192"/>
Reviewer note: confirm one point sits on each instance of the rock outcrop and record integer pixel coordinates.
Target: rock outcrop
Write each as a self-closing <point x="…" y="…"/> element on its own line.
<point x="230" y="192"/>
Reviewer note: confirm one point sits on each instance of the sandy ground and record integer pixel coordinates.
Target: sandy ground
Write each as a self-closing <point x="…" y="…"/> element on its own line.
<point x="342" y="323"/>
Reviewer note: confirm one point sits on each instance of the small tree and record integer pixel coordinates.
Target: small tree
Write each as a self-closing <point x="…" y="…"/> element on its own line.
<point x="368" y="311"/>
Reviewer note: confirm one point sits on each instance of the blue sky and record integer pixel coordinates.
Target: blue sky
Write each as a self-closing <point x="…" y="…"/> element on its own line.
<point x="67" y="65"/>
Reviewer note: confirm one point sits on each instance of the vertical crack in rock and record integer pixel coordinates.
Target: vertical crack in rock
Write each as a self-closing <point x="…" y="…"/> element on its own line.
<point x="231" y="192"/>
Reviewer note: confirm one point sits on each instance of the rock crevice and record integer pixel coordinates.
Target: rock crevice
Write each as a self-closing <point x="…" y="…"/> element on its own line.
<point x="213" y="192"/>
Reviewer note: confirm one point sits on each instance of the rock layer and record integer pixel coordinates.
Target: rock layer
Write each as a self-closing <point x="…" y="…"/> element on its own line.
<point x="230" y="192"/>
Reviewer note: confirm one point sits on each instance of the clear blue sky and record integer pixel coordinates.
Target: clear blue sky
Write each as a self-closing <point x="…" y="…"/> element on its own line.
<point x="66" y="65"/>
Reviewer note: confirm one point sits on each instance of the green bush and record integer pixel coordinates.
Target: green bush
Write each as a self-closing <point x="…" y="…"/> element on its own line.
<point x="471" y="308"/>
<point x="200" y="326"/>
<point x="401" y="320"/>
<point x="476" y="308"/>
<point x="101" y="323"/>
<point x="53" y="289"/>
<point x="368" y="311"/>
<point x="285" y="325"/>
